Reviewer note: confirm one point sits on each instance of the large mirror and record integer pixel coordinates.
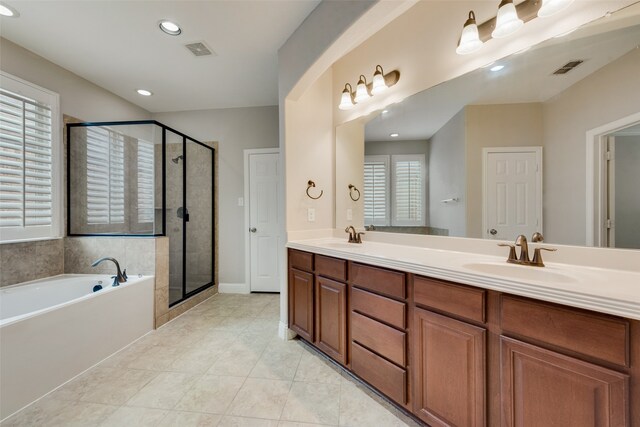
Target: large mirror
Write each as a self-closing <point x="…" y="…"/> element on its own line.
<point x="546" y="140"/>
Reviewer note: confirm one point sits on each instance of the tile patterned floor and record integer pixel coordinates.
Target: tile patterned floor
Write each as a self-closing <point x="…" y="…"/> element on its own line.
<point x="220" y="364"/>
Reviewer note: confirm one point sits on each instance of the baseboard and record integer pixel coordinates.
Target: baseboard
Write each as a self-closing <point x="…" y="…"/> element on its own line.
<point x="233" y="288"/>
<point x="284" y="332"/>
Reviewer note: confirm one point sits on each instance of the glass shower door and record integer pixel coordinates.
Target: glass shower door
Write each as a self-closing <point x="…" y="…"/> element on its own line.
<point x="175" y="172"/>
<point x="199" y="223"/>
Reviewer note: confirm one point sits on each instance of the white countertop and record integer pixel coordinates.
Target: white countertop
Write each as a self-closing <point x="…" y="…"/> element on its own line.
<point x="604" y="290"/>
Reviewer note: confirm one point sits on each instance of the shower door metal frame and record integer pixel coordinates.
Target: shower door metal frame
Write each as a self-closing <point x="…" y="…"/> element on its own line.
<point x="185" y="137"/>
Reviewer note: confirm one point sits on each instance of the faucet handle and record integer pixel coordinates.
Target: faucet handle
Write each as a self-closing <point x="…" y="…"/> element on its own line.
<point x="537" y="257"/>
<point x="512" y="252"/>
<point x="124" y="274"/>
<point x="359" y="237"/>
<point x="115" y="281"/>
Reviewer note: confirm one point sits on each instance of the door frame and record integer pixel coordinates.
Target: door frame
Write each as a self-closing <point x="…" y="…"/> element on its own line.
<point x="247" y="213"/>
<point x="485" y="152"/>
<point x="596" y="178"/>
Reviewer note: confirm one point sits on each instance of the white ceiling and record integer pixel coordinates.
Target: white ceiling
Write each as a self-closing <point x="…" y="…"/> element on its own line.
<point x="526" y="77"/>
<point x="118" y="45"/>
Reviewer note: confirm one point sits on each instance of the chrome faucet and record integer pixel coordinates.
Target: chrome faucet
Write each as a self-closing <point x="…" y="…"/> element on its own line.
<point x="521" y="241"/>
<point x="120" y="277"/>
<point x="354" y="237"/>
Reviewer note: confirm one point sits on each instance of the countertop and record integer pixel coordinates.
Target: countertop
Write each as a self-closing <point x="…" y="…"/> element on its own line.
<point x="603" y="290"/>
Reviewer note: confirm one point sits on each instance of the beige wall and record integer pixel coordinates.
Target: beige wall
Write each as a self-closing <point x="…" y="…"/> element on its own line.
<point x="235" y="129"/>
<point x="447" y="177"/>
<point x="349" y="170"/>
<point x="504" y="125"/>
<point x="567" y="118"/>
<point x="310" y="156"/>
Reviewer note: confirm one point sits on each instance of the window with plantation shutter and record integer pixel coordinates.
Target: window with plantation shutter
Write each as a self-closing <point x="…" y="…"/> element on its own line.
<point x="146" y="175"/>
<point x="376" y="190"/>
<point x="29" y="161"/>
<point x="409" y="190"/>
<point x="105" y="176"/>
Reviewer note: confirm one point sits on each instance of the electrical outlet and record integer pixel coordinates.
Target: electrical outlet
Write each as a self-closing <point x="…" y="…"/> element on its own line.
<point x="349" y="214"/>
<point x="311" y="215"/>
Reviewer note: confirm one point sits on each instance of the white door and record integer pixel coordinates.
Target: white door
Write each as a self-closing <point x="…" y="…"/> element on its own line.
<point x="264" y="222"/>
<point x="512" y="194"/>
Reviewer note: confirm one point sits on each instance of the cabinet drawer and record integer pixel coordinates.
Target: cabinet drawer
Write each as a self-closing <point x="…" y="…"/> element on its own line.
<point x="385" y="309"/>
<point x="382" y="339"/>
<point x="380" y="280"/>
<point x="383" y="375"/>
<point x="331" y="267"/>
<point x="603" y="337"/>
<point x="463" y="301"/>
<point x="301" y="260"/>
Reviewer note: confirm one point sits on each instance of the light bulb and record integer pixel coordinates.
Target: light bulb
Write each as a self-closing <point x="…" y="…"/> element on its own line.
<point x="470" y="38"/>
<point x="378" y="85"/>
<point x="170" y="28"/>
<point x="362" y="94"/>
<point x="551" y="7"/>
<point x="507" y="21"/>
<point x="346" y="101"/>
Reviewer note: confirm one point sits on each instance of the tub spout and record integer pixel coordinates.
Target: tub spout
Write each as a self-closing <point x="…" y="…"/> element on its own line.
<point x="120" y="277"/>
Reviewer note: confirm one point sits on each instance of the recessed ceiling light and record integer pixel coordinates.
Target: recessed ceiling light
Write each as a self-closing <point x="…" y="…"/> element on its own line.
<point x="144" y="92"/>
<point x="394" y="135"/>
<point x="496" y="68"/>
<point x="385" y="111"/>
<point x="170" y="28"/>
<point x="8" y="11"/>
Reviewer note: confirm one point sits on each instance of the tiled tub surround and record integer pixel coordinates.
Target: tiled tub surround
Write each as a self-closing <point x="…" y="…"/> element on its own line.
<point x="219" y="364"/>
<point x="607" y="286"/>
<point x="23" y="262"/>
<point x="53" y="336"/>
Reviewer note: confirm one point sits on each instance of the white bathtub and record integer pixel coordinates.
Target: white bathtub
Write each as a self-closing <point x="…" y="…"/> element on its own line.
<point x="53" y="329"/>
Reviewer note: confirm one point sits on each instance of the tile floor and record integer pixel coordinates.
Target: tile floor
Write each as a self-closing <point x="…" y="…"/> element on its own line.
<point x="220" y="364"/>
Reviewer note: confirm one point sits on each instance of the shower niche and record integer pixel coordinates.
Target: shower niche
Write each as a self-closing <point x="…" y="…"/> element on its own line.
<point x="143" y="178"/>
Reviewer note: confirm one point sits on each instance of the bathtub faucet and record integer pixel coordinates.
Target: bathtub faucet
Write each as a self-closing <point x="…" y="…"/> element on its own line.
<point x="121" y="276"/>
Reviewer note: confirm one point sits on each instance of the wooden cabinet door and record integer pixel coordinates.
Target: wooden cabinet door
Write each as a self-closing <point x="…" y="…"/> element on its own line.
<point x="448" y="371"/>
<point x="301" y="303"/>
<point x="331" y="318"/>
<point x="545" y="388"/>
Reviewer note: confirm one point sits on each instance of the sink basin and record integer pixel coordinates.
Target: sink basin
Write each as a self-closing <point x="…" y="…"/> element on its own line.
<point x="342" y="245"/>
<point x="524" y="272"/>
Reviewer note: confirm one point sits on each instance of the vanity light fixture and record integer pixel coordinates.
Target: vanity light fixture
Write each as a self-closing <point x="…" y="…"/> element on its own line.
<point x="170" y="27"/>
<point x="364" y="90"/>
<point x="551" y="7"/>
<point x="144" y="92"/>
<point x="8" y="11"/>
<point x="362" y="93"/>
<point x="470" y="38"/>
<point x="507" y="21"/>
<point x="510" y="19"/>
<point x="346" y="102"/>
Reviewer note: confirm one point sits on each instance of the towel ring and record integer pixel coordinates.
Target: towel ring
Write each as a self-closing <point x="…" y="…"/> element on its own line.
<point x="351" y="188"/>
<point x="311" y="184"/>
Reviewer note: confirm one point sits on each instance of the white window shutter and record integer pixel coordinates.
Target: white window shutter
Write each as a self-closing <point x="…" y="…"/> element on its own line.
<point x="146" y="174"/>
<point x="105" y="176"/>
<point x="409" y="190"/>
<point x="376" y="190"/>
<point x="28" y="162"/>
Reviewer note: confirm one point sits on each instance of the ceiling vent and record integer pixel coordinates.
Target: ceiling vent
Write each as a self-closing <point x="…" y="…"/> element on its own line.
<point x="199" y="49"/>
<point x="568" y="67"/>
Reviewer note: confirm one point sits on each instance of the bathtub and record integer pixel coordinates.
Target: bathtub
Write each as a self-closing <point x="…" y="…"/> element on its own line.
<point x="54" y="329"/>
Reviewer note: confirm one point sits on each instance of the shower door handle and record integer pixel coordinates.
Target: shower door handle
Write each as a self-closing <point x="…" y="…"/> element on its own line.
<point x="253" y="229"/>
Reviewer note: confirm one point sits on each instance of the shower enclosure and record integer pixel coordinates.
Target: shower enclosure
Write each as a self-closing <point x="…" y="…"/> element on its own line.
<point x="143" y="178"/>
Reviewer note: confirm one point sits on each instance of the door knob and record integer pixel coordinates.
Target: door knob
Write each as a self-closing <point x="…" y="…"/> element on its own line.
<point x="253" y="229"/>
<point x="493" y="231"/>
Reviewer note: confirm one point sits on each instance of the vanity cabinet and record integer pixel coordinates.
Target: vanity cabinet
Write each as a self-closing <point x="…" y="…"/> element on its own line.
<point x="460" y="355"/>
<point x="557" y="390"/>
<point x="450" y="354"/>
<point x="331" y="318"/>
